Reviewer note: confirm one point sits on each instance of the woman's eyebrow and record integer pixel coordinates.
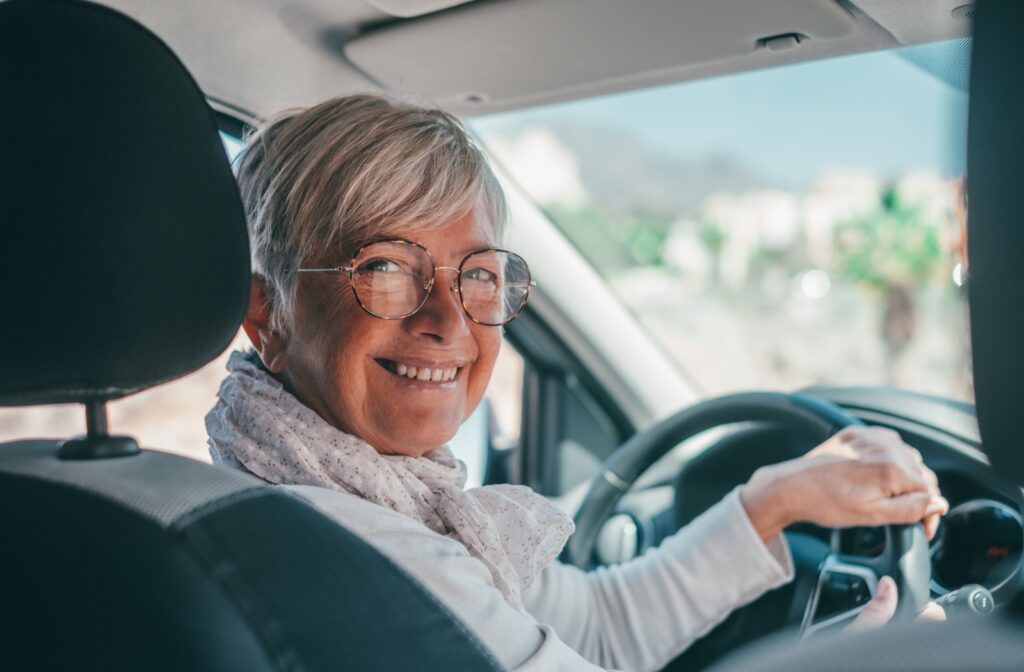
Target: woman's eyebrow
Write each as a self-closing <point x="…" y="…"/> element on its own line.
<point x="475" y="248"/>
<point x="464" y="252"/>
<point x="460" y="254"/>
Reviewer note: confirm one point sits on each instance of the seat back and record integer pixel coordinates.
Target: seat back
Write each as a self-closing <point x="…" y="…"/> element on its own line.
<point x="125" y="263"/>
<point x="156" y="562"/>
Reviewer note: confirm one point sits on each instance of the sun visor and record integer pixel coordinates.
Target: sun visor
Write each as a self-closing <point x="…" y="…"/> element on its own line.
<point x="511" y="52"/>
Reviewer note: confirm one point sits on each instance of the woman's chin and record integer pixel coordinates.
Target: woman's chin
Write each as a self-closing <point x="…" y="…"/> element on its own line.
<point x="414" y="440"/>
<point x="410" y="450"/>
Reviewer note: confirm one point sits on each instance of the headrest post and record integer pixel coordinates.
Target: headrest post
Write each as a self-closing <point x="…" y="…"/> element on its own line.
<point x="95" y="419"/>
<point x="97" y="444"/>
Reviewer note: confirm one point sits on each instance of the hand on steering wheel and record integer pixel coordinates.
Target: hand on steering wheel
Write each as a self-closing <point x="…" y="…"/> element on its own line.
<point x="860" y="476"/>
<point x="818" y="570"/>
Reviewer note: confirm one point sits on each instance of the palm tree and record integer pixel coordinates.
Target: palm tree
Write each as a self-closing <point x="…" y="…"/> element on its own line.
<point x="894" y="250"/>
<point x="713" y="236"/>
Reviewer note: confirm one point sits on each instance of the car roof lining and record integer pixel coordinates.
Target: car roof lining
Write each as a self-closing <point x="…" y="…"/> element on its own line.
<point x="256" y="58"/>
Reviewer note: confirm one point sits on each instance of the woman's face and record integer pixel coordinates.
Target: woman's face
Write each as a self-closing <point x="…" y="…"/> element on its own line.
<point x="342" y="361"/>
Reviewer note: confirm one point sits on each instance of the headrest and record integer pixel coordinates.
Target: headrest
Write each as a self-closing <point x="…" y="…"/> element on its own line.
<point x="995" y="176"/>
<point x="124" y="258"/>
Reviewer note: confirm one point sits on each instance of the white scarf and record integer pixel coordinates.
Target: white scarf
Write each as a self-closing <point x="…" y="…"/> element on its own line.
<point x="262" y="428"/>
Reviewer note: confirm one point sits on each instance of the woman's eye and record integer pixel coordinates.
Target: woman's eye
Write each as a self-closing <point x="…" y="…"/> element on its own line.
<point x="479" y="275"/>
<point x="380" y="266"/>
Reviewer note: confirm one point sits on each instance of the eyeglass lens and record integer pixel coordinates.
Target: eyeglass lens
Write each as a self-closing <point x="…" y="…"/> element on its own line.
<point x="392" y="279"/>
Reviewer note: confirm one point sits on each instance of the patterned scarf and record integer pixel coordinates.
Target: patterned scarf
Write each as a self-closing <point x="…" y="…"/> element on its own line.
<point x="260" y="427"/>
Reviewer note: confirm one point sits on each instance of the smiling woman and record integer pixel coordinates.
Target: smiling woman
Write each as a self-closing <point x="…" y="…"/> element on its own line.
<point x="315" y="330"/>
<point x="336" y="338"/>
<point x="377" y="300"/>
<point x="379" y="357"/>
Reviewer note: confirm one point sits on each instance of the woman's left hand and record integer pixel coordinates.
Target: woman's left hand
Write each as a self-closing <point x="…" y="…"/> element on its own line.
<point x="882" y="608"/>
<point x="860" y="476"/>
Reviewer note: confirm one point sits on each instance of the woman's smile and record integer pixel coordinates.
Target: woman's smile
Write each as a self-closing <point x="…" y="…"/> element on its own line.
<point x="423" y="374"/>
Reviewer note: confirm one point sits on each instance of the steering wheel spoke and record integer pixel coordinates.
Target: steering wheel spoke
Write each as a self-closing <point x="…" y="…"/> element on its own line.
<point x="844" y="586"/>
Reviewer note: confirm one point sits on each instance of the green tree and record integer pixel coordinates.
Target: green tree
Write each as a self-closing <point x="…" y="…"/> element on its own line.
<point x="612" y="241"/>
<point x="893" y="250"/>
<point x="713" y="236"/>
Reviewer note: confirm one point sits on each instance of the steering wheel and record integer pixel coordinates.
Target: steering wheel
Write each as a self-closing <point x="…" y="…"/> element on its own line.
<point x="836" y="586"/>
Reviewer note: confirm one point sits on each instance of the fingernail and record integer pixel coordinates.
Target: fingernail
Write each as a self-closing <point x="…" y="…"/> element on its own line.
<point x="937" y="505"/>
<point x="885" y="586"/>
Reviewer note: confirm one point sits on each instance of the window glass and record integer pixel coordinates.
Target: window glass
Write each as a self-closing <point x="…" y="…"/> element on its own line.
<point x="496" y="422"/>
<point x="788" y="227"/>
<point x="232" y="145"/>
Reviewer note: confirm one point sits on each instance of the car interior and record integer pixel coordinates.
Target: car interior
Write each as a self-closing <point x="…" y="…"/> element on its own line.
<point x="127" y="264"/>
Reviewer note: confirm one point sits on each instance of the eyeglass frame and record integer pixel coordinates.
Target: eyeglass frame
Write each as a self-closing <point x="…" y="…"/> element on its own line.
<point x="350" y="269"/>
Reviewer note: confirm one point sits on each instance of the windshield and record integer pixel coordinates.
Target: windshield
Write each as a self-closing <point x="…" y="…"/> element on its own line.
<point x="776" y="229"/>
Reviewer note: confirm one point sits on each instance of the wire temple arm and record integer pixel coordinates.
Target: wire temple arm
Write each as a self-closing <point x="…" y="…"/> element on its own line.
<point x="336" y="269"/>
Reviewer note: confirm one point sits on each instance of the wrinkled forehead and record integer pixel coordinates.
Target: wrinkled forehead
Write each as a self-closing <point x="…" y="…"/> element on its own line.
<point x="448" y="241"/>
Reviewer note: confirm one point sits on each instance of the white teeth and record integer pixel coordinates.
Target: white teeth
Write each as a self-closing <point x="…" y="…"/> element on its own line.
<point x="426" y="373"/>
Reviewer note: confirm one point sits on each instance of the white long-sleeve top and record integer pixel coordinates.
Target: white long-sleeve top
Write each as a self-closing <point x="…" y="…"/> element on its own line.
<point x="633" y="616"/>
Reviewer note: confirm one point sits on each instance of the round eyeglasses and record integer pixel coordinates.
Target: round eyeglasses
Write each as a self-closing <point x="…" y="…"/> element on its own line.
<point x="391" y="279"/>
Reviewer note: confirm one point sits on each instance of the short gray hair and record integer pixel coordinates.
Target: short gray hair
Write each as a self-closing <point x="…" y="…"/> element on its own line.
<point x="320" y="182"/>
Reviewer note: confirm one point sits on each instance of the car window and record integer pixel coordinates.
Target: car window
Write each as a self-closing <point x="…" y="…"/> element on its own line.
<point x="232" y="145"/>
<point x="788" y="227"/>
<point x="496" y="422"/>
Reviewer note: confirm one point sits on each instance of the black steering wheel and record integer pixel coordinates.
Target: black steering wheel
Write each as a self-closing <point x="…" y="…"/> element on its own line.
<point x="835" y="586"/>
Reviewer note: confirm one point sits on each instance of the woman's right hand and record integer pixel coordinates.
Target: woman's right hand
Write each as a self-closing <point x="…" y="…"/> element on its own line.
<point x="860" y="476"/>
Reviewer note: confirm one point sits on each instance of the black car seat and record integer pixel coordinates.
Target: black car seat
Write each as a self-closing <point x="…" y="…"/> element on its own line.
<point x="124" y="263"/>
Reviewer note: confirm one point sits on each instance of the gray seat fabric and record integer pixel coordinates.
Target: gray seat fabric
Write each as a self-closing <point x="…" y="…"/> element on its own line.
<point x="158" y="562"/>
<point x="158" y="486"/>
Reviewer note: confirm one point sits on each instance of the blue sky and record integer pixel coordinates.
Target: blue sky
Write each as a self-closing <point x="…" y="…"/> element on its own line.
<point x="873" y="111"/>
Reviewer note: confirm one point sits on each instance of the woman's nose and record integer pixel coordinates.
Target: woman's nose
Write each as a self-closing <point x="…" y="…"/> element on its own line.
<point x="441" y="316"/>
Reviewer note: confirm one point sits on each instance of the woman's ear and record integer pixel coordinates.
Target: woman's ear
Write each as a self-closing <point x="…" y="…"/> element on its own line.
<point x="270" y="344"/>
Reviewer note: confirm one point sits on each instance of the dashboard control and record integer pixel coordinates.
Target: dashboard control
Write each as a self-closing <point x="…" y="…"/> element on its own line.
<point x="970" y="599"/>
<point x="618" y="541"/>
<point x="839" y="593"/>
<point x="979" y="542"/>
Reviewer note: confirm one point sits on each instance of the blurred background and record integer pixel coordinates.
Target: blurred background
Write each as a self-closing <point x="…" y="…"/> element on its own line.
<point x="776" y="229"/>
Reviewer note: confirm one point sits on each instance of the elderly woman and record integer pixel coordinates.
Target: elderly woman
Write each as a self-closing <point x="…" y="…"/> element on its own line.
<point x="379" y="293"/>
